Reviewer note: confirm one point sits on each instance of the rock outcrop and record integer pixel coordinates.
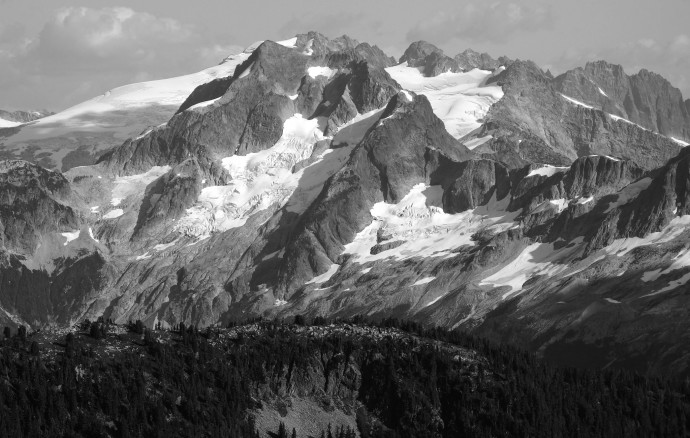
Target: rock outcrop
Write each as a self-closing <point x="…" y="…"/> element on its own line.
<point x="429" y="58"/>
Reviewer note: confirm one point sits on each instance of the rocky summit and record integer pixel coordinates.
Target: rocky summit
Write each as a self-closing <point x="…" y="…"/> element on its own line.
<point x="323" y="178"/>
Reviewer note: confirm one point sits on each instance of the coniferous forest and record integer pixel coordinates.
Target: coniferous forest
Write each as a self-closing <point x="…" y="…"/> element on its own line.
<point x="395" y="380"/>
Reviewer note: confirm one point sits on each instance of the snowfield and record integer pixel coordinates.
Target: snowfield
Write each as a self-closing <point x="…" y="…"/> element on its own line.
<point x="126" y="186"/>
<point x="461" y="100"/>
<point x="418" y="221"/>
<point x="269" y="177"/>
<point x="8" y="124"/>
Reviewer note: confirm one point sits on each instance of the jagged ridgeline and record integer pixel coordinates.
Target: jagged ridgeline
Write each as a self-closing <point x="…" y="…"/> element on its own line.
<point x="322" y="177"/>
<point x="333" y="380"/>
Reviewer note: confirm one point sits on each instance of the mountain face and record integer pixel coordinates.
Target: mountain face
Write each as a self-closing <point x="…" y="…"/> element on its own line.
<point x="645" y="98"/>
<point x="318" y="176"/>
<point x="20" y="117"/>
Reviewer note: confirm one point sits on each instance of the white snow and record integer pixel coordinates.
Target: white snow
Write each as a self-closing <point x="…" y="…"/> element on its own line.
<point x="366" y="271"/>
<point x="94" y="209"/>
<point x="91" y="235"/>
<point x="471" y="144"/>
<point x="680" y="142"/>
<point x="144" y="256"/>
<point x="261" y="179"/>
<point x="204" y="104"/>
<point x="547" y="171"/>
<point x="612" y="301"/>
<point x="602" y="92"/>
<point x="279" y="302"/>
<point x="424" y="280"/>
<point x="419" y="221"/>
<point x="325" y="276"/>
<point x="680" y="261"/>
<point x="8" y="123"/>
<point x="621" y="119"/>
<point x="535" y="259"/>
<point x="113" y="214"/>
<point x="164" y="246"/>
<point x="576" y="102"/>
<point x="408" y="95"/>
<point x="585" y="200"/>
<point x="70" y="236"/>
<point x="461" y="100"/>
<point x="558" y="204"/>
<point x="291" y="43"/>
<point x="317" y="71"/>
<point x="126" y="186"/>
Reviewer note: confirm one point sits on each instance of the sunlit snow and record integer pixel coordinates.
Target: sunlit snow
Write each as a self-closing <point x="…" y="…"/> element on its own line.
<point x="547" y="170"/>
<point x="125" y="186"/>
<point x="461" y="100"/>
<point x="419" y="221"/>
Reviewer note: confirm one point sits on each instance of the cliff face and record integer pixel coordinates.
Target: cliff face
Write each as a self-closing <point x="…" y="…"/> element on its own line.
<point x="644" y="98"/>
<point x="556" y="128"/>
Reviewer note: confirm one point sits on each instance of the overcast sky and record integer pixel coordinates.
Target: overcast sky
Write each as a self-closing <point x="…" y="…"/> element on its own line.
<point x="55" y="53"/>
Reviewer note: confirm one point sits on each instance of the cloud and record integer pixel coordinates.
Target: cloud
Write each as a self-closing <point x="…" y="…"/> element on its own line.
<point x="482" y="22"/>
<point x="668" y="58"/>
<point x="86" y="51"/>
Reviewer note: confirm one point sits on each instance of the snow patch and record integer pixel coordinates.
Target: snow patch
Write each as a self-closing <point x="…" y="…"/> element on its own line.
<point x="576" y="102"/>
<point x="547" y="170"/>
<point x="204" y="104"/>
<point x="164" y="246"/>
<point x="317" y="71"/>
<point x="325" y="276"/>
<point x="291" y="43"/>
<point x="675" y="228"/>
<point x="680" y="142"/>
<point x="460" y="100"/>
<point x="612" y="301"/>
<point x="426" y="230"/>
<point x="535" y="259"/>
<point x="424" y="280"/>
<point x="602" y="92"/>
<point x="471" y="144"/>
<point x="144" y="256"/>
<point x="126" y="186"/>
<point x="113" y="214"/>
<point x="8" y="123"/>
<point x="70" y="236"/>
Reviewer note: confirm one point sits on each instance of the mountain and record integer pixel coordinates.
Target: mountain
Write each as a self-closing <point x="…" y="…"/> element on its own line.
<point x="10" y="119"/>
<point x="321" y="177"/>
<point x="644" y="98"/>
<point x="80" y="134"/>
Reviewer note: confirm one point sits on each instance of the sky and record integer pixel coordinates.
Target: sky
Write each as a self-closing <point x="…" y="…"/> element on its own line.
<point x="57" y="53"/>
